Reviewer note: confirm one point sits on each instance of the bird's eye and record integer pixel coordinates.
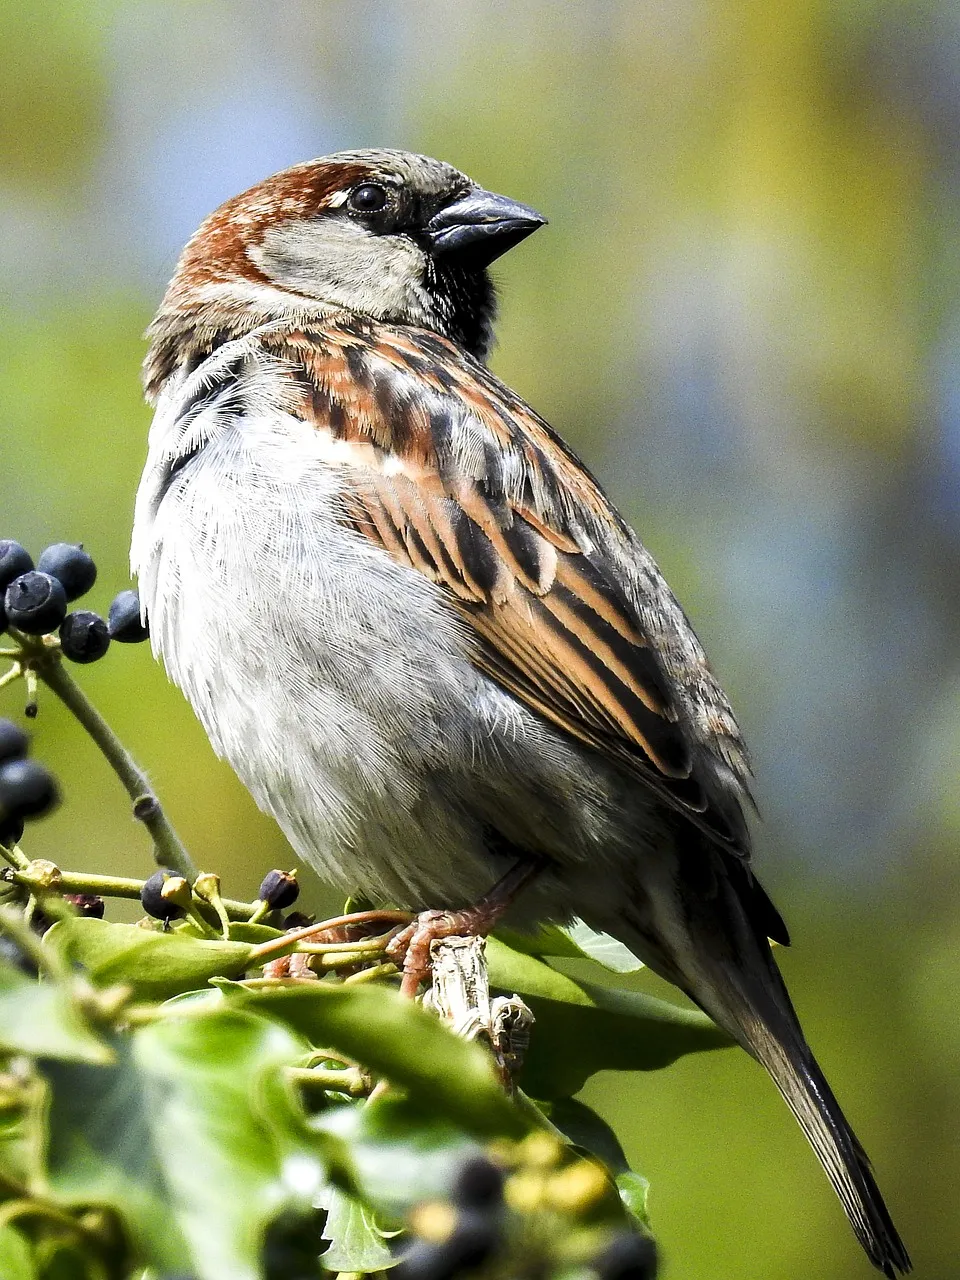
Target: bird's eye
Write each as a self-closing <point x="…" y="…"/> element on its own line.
<point x="369" y="197"/>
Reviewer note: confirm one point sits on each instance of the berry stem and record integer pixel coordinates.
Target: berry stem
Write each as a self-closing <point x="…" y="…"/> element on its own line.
<point x="15" y="672"/>
<point x="13" y="854"/>
<point x="169" y="850"/>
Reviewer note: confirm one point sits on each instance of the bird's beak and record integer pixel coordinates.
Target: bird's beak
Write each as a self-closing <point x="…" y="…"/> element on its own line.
<point x="480" y="226"/>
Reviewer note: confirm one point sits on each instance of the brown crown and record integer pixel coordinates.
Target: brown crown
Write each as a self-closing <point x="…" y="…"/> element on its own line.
<point x="218" y="249"/>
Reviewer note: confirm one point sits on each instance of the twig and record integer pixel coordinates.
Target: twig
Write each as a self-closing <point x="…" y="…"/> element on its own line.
<point x="461" y="996"/>
<point x="15" y="926"/>
<point x="277" y="947"/>
<point x="349" y="1080"/>
<point x="101" y="886"/>
<point x="168" y="847"/>
<point x="385" y="970"/>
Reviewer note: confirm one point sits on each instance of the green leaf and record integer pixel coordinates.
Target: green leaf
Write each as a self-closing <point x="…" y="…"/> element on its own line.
<point x="357" y="1242"/>
<point x="42" y="1019"/>
<point x="582" y="1126"/>
<point x="221" y="1127"/>
<point x="582" y="1028"/>
<point x="603" y="948"/>
<point x="193" y="1136"/>
<point x="241" y="931"/>
<point x="102" y="1152"/>
<point x="395" y="1155"/>
<point x="548" y="940"/>
<point x="23" y="1134"/>
<point x="634" y="1192"/>
<point x="157" y="965"/>
<point x="394" y="1152"/>
<point x="576" y="941"/>
<point x="16" y="1256"/>
<point x="394" y="1037"/>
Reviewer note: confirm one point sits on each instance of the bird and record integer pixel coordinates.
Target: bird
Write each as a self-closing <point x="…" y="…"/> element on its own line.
<point x="417" y="628"/>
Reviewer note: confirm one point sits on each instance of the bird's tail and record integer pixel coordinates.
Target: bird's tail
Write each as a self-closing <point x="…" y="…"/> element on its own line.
<point x="715" y="947"/>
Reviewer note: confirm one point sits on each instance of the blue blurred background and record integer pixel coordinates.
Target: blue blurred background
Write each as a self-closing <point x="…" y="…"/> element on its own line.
<point x="745" y="315"/>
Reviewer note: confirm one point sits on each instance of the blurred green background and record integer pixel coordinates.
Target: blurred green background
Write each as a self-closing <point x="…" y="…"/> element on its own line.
<point x="745" y="315"/>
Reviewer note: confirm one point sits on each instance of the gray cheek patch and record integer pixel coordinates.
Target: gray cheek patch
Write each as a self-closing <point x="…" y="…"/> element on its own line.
<point x="341" y="263"/>
<point x="313" y="256"/>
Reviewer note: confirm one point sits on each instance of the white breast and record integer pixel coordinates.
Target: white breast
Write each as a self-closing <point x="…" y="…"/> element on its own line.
<point x="336" y="682"/>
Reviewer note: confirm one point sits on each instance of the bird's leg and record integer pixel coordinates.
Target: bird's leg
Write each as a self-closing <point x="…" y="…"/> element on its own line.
<point x="412" y="944"/>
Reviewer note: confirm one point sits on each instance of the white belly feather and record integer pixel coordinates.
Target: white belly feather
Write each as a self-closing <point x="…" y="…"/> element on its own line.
<point x="336" y="682"/>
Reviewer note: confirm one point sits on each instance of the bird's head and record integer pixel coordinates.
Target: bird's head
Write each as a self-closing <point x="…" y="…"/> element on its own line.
<point x="389" y="235"/>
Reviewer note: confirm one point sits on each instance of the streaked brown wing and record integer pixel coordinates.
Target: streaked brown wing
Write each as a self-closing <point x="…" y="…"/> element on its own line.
<point x="452" y="474"/>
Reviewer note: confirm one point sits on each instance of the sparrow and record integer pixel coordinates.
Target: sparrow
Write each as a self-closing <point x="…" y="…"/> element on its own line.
<point x="417" y="628"/>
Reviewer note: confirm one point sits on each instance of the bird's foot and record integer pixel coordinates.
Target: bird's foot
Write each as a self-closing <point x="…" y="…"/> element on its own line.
<point x="411" y="947"/>
<point x="296" y="965"/>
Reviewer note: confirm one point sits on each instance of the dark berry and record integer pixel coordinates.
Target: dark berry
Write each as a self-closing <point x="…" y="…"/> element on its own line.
<point x="72" y="567"/>
<point x="36" y="603"/>
<point x="123" y="619"/>
<point x="290" y="1247"/>
<point x="84" y="636"/>
<point x="11" y="831"/>
<point x="422" y="1261"/>
<point x="628" y="1256"/>
<point x="14" y="560"/>
<point x="280" y="889"/>
<point x="475" y="1238"/>
<point x="478" y="1184"/>
<point x="27" y="789"/>
<point x="472" y="1242"/>
<point x="11" y="954"/>
<point x="14" y="743"/>
<point x="153" y="901"/>
<point x="298" y="920"/>
<point x="86" y="904"/>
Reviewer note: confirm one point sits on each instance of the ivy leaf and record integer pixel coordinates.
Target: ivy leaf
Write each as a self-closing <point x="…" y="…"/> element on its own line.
<point x="43" y="1020"/>
<point x="396" y="1153"/>
<point x="582" y="1126"/>
<point x="157" y="965"/>
<point x="576" y="941"/>
<point x="102" y="1151"/>
<point x="357" y="1241"/>
<point x="634" y="1192"/>
<point x="394" y="1037"/>
<point x="548" y="940"/>
<point x="243" y="931"/>
<point x="217" y="1124"/>
<point x="582" y="1028"/>
<point x="613" y="955"/>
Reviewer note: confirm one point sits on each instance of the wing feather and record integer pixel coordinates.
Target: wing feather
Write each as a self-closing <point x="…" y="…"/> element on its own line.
<point x="452" y="474"/>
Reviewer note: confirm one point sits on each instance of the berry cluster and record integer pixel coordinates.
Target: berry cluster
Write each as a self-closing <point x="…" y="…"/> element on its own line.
<point x="27" y="789"/>
<point x="474" y="1228"/>
<point x="467" y="1237"/>
<point x="34" y="600"/>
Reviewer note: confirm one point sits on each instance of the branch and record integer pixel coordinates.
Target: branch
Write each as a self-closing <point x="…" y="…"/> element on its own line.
<point x="169" y="849"/>
<point x="461" y="996"/>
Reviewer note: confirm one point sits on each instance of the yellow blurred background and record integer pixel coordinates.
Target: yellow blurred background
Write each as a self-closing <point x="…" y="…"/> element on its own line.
<point x="744" y="315"/>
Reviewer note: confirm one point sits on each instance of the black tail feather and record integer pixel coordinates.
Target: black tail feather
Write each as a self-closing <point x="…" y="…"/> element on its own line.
<point x="707" y="930"/>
